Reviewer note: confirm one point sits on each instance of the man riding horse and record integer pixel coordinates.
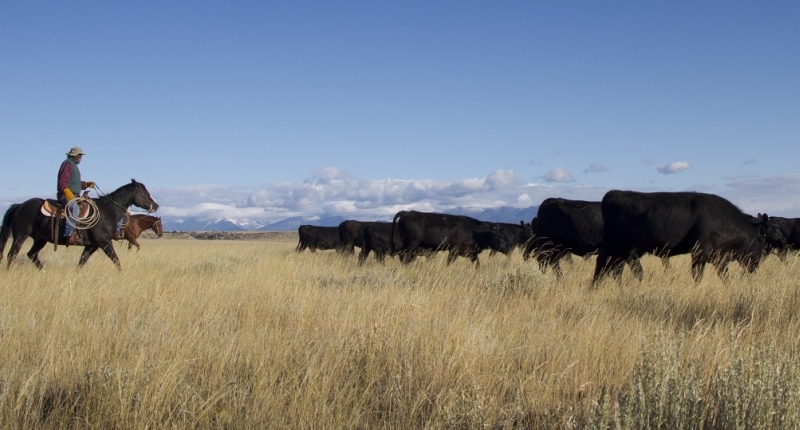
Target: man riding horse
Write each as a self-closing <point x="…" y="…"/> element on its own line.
<point x="69" y="186"/>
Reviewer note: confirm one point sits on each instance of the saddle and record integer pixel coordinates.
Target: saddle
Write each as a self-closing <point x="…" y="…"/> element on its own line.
<point x="53" y="208"/>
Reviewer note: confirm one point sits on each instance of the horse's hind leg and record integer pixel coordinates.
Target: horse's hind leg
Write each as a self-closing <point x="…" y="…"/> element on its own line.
<point x="16" y="245"/>
<point x="33" y="254"/>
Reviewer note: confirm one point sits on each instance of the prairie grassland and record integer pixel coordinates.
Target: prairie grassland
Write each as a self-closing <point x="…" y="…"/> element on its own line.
<point x="250" y="334"/>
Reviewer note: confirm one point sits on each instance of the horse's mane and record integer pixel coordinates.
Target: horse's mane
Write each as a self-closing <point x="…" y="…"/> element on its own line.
<point x="107" y="201"/>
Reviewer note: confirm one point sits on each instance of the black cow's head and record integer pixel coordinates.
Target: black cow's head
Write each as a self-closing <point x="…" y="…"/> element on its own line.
<point x="770" y="230"/>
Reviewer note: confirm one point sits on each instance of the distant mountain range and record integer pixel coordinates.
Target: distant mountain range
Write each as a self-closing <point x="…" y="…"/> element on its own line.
<point x="502" y="214"/>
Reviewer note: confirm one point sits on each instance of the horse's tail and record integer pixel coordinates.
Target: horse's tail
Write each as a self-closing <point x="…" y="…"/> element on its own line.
<point x="5" y="231"/>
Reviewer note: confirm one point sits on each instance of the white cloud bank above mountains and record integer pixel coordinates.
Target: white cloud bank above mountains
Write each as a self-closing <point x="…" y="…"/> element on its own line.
<point x="335" y="192"/>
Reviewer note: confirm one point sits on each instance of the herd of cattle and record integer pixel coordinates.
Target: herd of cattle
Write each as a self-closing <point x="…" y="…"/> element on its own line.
<point x="620" y="229"/>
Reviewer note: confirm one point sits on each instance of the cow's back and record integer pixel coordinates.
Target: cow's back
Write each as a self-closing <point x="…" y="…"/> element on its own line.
<point x="667" y="223"/>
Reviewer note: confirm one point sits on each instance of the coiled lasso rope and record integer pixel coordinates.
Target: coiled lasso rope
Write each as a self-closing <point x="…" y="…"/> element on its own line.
<point x="85" y="221"/>
<point x="126" y="219"/>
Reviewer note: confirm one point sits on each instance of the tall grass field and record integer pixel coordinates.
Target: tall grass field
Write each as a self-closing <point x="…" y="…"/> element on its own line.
<point x="236" y="334"/>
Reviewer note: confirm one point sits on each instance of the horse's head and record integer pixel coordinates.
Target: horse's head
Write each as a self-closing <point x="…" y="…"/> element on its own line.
<point x="142" y="198"/>
<point x="158" y="227"/>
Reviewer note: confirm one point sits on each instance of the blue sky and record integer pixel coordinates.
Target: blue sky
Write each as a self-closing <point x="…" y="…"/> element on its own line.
<point x="266" y="110"/>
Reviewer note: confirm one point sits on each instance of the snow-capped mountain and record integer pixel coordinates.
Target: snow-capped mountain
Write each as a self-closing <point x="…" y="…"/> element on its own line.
<point x="503" y="214"/>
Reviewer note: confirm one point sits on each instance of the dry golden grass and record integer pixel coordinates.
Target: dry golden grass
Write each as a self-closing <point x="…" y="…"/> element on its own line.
<point x="250" y="334"/>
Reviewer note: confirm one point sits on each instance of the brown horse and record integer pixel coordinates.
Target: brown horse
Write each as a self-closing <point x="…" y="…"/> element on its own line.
<point x="136" y="224"/>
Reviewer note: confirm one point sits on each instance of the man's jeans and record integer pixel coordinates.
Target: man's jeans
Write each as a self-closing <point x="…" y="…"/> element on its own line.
<point x="74" y="211"/>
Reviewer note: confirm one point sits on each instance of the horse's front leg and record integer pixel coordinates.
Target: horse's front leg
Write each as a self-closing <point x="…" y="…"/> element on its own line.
<point x="87" y="252"/>
<point x="109" y="250"/>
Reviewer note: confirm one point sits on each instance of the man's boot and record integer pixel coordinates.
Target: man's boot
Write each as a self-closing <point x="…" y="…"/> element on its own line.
<point x="74" y="238"/>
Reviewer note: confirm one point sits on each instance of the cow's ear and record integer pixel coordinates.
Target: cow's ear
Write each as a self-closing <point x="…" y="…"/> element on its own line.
<point x="765" y="217"/>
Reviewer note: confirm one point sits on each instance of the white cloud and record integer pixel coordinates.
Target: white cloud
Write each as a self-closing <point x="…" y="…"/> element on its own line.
<point x="596" y="168"/>
<point x="675" y="167"/>
<point x="502" y="179"/>
<point x="559" y="175"/>
<point x="332" y="174"/>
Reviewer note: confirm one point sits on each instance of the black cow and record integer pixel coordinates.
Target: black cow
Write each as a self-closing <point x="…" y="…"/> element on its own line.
<point x="459" y="235"/>
<point x="790" y="228"/>
<point x="706" y="226"/>
<point x="351" y="234"/>
<point x="518" y="234"/>
<point x="564" y="227"/>
<point x="314" y="237"/>
<point x="377" y="238"/>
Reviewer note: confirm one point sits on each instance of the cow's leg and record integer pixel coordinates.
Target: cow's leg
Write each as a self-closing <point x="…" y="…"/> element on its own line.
<point x="602" y="266"/>
<point x="33" y="254"/>
<point x="473" y="256"/>
<point x="722" y="268"/>
<point x="529" y="249"/>
<point x="698" y="264"/>
<point x="407" y="253"/>
<point x="452" y="255"/>
<point x="750" y="264"/>
<point x="557" y="270"/>
<point x="362" y="256"/>
<point x="782" y="254"/>
<point x="617" y="267"/>
<point x="554" y="261"/>
<point x="636" y="268"/>
<point x="541" y="260"/>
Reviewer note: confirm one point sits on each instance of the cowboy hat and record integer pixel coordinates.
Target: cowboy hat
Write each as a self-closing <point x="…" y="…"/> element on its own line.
<point x="75" y="151"/>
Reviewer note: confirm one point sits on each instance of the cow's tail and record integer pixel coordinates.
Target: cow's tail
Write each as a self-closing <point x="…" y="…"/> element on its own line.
<point x="5" y="231"/>
<point x="394" y="223"/>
